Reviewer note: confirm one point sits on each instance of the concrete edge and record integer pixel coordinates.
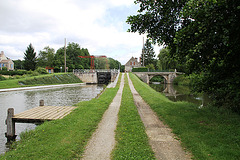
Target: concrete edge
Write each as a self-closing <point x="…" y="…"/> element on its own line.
<point x="41" y="87"/>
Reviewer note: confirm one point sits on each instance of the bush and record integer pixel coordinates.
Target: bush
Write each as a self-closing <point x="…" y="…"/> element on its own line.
<point x="12" y="73"/>
<point x="2" y="78"/>
<point x="141" y="69"/>
<point x="41" y="70"/>
<point x="182" y="80"/>
<point x="4" y="68"/>
<point x="35" y="73"/>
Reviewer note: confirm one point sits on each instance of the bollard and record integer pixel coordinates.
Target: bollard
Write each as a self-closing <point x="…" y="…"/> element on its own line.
<point x="41" y="103"/>
<point x="10" y="134"/>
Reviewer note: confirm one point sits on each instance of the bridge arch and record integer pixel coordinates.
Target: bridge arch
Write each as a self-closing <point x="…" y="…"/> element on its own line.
<point x="162" y="76"/>
<point x="146" y="76"/>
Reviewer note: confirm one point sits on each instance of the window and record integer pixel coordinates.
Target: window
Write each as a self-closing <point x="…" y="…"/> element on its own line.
<point x="130" y="63"/>
<point x="134" y="63"/>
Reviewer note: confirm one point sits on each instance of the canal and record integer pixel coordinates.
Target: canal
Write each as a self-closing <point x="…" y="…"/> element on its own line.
<point x="27" y="99"/>
<point x="181" y="93"/>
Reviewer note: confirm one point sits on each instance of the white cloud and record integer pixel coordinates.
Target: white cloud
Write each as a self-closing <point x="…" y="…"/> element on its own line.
<point x="97" y="25"/>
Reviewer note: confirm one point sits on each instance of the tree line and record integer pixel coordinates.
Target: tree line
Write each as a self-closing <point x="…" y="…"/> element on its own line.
<point x="49" y="58"/>
<point x="201" y="37"/>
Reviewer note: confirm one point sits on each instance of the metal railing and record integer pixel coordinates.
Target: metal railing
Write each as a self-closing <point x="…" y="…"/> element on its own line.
<point x="82" y="71"/>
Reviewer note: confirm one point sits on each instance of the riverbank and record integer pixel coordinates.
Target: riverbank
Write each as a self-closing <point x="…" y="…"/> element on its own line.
<point x="46" y="79"/>
<point x="65" y="138"/>
<point x="208" y="133"/>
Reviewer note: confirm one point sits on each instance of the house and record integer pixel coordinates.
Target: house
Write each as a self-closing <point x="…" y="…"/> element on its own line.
<point x="6" y="62"/>
<point x="132" y="63"/>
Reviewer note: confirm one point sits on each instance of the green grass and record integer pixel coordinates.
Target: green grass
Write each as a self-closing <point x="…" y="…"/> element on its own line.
<point x="65" y="138"/>
<point x="132" y="141"/>
<point x="209" y="133"/>
<point x="46" y="79"/>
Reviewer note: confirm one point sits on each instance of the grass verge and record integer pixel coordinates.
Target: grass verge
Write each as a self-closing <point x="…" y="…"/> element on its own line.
<point x="132" y="141"/>
<point x="209" y="133"/>
<point x="65" y="138"/>
<point x="60" y="78"/>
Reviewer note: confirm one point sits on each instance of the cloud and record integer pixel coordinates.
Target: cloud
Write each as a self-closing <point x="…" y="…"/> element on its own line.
<point x="97" y="25"/>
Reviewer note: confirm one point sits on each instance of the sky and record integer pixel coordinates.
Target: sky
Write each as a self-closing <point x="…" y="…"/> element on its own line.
<point x="99" y="26"/>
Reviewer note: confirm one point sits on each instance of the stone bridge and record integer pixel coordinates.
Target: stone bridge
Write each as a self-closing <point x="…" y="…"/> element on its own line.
<point x="168" y="76"/>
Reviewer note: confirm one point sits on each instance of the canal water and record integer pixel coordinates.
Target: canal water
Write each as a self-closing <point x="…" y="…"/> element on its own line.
<point x="181" y="93"/>
<point x="27" y="99"/>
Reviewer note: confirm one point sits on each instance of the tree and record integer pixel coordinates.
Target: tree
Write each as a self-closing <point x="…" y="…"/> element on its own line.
<point x="73" y="50"/>
<point x="46" y="57"/>
<point x="30" y="58"/>
<point x="166" y="62"/>
<point x="18" y="64"/>
<point x="149" y="53"/>
<point x="163" y="59"/>
<point x="114" y="64"/>
<point x="150" y="66"/>
<point x="202" y="34"/>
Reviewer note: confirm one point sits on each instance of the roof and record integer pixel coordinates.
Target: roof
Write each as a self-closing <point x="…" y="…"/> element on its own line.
<point x="133" y="60"/>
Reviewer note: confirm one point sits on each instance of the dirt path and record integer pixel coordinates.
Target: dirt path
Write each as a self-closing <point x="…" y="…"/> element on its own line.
<point x="160" y="137"/>
<point x="103" y="139"/>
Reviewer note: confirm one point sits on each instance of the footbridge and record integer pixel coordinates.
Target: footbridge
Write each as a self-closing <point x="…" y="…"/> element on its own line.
<point x="168" y="76"/>
<point x="96" y="76"/>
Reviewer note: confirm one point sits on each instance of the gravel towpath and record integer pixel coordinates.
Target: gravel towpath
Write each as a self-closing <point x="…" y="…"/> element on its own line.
<point x="160" y="136"/>
<point x="102" y="141"/>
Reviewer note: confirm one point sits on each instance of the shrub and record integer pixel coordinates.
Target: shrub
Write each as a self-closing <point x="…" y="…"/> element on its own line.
<point x="41" y="70"/>
<point x="4" y="68"/>
<point x="12" y="73"/>
<point x="182" y="80"/>
<point x="140" y="69"/>
<point x="2" y="78"/>
<point x="35" y="73"/>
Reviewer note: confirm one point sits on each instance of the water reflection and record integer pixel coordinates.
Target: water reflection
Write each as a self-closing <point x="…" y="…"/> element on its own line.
<point x="24" y="100"/>
<point x="181" y="93"/>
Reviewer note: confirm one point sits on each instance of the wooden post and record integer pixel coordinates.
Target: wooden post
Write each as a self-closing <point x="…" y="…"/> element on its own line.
<point x="41" y="103"/>
<point x="10" y="134"/>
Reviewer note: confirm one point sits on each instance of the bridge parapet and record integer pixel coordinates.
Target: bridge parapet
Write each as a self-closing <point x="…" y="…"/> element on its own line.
<point x="168" y="76"/>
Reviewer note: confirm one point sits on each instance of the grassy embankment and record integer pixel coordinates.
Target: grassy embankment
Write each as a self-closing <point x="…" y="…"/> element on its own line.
<point x="46" y="79"/>
<point x="65" y="138"/>
<point x="132" y="141"/>
<point x="209" y="133"/>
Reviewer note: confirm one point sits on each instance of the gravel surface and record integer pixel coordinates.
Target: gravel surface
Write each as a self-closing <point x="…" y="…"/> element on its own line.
<point x="102" y="142"/>
<point x="162" y="140"/>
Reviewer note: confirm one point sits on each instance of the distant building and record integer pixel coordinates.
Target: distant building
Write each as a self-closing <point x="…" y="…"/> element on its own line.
<point x="50" y="69"/>
<point x="6" y="62"/>
<point x="132" y="63"/>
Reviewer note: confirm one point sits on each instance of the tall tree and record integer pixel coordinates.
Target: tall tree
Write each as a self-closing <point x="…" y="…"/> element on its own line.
<point x="202" y="34"/>
<point x="163" y="59"/>
<point x="46" y="57"/>
<point x="114" y="64"/>
<point x="30" y="58"/>
<point x="149" y="53"/>
<point x="73" y="50"/>
<point x="18" y="64"/>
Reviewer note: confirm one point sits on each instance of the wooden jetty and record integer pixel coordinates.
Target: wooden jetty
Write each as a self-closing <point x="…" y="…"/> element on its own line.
<point x="35" y="115"/>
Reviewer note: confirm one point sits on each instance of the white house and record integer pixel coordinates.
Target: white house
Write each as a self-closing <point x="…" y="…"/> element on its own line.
<point x="132" y="63"/>
<point x="6" y="62"/>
